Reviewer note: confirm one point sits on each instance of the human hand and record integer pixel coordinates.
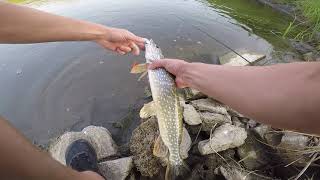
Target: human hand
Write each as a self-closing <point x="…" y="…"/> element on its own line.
<point x="90" y="175"/>
<point x="176" y="67"/>
<point x="121" y="41"/>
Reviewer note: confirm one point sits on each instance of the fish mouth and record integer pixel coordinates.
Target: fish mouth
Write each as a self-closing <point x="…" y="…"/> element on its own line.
<point x="152" y="51"/>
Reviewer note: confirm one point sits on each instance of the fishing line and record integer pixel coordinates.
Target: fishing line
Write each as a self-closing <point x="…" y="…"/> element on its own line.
<point x="212" y="37"/>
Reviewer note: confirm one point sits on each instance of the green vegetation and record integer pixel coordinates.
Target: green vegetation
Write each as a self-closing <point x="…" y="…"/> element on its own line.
<point x="260" y="20"/>
<point x="310" y="9"/>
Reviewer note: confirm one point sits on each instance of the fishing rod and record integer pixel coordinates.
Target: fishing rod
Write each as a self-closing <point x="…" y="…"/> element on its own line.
<point x="212" y="37"/>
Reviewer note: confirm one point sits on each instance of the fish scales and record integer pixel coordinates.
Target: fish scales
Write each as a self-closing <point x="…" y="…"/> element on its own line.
<point x="167" y="105"/>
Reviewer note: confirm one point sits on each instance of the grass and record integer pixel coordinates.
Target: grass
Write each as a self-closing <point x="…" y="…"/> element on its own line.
<point x="311" y="10"/>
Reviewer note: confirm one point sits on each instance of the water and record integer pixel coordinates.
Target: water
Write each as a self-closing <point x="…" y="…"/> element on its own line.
<point x="53" y="87"/>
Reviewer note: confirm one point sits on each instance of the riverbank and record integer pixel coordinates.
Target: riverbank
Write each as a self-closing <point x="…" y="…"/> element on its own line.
<point x="305" y="14"/>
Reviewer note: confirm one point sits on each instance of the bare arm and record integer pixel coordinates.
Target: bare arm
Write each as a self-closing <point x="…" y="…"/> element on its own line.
<point x="19" y="24"/>
<point x="21" y="160"/>
<point x="285" y="96"/>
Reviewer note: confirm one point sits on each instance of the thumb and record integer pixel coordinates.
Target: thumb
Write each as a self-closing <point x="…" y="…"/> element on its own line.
<point x="157" y="64"/>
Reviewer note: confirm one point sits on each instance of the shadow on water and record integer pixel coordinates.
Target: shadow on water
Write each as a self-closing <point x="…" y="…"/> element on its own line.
<point x="50" y="88"/>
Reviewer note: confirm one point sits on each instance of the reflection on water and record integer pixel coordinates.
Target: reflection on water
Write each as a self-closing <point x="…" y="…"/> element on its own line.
<point x="52" y="87"/>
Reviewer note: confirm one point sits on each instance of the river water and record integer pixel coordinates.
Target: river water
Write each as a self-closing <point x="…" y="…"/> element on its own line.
<point x="49" y="88"/>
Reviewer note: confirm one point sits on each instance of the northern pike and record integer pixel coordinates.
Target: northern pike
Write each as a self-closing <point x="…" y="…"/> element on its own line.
<point x="168" y="110"/>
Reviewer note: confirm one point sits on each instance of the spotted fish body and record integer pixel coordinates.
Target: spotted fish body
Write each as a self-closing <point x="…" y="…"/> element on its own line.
<point x="168" y="110"/>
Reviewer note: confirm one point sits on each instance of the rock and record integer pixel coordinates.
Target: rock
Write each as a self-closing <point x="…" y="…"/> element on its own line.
<point x="192" y="94"/>
<point x="141" y="147"/>
<point x="147" y="110"/>
<point x="232" y="59"/>
<point x="261" y="130"/>
<point x="308" y="56"/>
<point x="233" y="112"/>
<point x="235" y="173"/>
<point x="235" y="121"/>
<point x="252" y="154"/>
<point x="100" y="136"/>
<point x="191" y="116"/>
<point x="251" y="124"/>
<point x="117" y="169"/>
<point x="291" y="148"/>
<point x="224" y="137"/>
<point x="301" y="47"/>
<point x="209" y="120"/>
<point x="209" y="105"/>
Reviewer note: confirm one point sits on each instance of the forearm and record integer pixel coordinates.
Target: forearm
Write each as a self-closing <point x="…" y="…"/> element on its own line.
<point x="21" y="160"/>
<point x="285" y="96"/>
<point x="21" y="24"/>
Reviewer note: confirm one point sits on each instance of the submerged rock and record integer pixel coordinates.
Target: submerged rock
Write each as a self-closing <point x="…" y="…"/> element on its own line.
<point x="117" y="169"/>
<point x="224" y="137"/>
<point x="232" y="59"/>
<point x="141" y="147"/>
<point x="190" y="115"/>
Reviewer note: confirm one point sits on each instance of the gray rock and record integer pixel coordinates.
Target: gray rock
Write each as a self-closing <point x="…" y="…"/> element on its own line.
<point x="141" y="147"/>
<point x="191" y="116"/>
<point x="232" y="59"/>
<point x="236" y="121"/>
<point x="291" y="148"/>
<point x="101" y="137"/>
<point x="192" y="94"/>
<point x="251" y="124"/>
<point x="261" y="130"/>
<point x="308" y="56"/>
<point x="233" y="112"/>
<point x="235" y="173"/>
<point x="224" y="137"/>
<point x="117" y="169"/>
<point x="209" y="120"/>
<point x="209" y="105"/>
<point x="301" y="47"/>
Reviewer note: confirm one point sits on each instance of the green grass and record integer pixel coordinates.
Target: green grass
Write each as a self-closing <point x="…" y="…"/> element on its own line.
<point x="311" y="10"/>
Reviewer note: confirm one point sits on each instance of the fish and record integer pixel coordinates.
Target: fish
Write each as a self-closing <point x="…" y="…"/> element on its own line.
<point x="168" y="111"/>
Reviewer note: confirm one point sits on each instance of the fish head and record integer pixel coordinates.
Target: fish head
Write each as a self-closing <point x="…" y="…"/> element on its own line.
<point x="152" y="51"/>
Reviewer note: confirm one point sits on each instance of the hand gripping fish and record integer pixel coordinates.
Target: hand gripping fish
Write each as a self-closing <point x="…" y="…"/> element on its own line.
<point x="168" y="111"/>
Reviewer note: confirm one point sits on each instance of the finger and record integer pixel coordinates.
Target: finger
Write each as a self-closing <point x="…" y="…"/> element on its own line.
<point x="125" y="49"/>
<point x="180" y="83"/>
<point x="141" y="46"/>
<point x="157" y="64"/>
<point x="135" y="48"/>
<point x="136" y="39"/>
<point x="120" y="52"/>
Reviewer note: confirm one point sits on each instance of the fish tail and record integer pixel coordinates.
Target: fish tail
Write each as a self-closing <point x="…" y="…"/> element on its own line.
<point x="174" y="170"/>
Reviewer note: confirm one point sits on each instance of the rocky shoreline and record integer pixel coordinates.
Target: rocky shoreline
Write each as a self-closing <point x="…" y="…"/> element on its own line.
<point x="218" y="143"/>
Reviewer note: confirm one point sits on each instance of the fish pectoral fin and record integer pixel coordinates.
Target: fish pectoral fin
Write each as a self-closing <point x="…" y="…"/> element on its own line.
<point x="159" y="148"/>
<point x="142" y="75"/>
<point x="139" y="68"/>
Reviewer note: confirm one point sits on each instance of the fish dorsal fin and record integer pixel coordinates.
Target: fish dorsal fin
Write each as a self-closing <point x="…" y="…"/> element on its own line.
<point x="160" y="149"/>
